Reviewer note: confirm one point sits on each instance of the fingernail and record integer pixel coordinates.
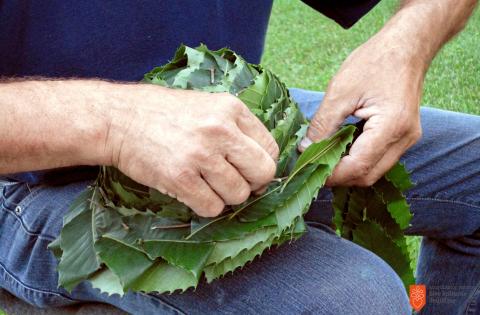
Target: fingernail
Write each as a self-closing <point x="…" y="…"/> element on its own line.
<point x="305" y="143"/>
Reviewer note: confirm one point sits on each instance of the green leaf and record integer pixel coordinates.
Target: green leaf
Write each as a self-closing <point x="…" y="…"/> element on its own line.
<point x="230" y="264"/>
<point x="106" y="281"/>
<point x="225" y="229"/>
<point x="327" y="152"/>
<point x="160" y="277"/>
<point x="299" y="204"/>
<point x="413" y="247"/>
<point x="253" y="95"/>
<point x="340" y="206"/>
<point x="399" y="177"/>
<point x="377" y="211"/>
<point x="356" y="212"/>
<point x="55" y="248"/>
<point x="128" y="266"/>
<point x="396" y="203"/>
<point x="289" y="155"/>
<point x="287" y="127"/>
<point x="147" y="226"/>
<point x="189" y="256"/>
<point x="229" y="249"/>
<point x="164" y="278"/>
<point x="240" y="76"/>
<point x="79" y="258"/>
<point x="275" y="198"/>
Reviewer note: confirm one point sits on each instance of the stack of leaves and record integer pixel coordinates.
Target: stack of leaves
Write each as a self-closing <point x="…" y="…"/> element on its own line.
<point x="121" y="235"/>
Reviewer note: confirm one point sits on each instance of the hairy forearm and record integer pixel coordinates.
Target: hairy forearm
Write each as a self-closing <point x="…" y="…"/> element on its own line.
<point x="421" y="27"/>
<point x="47" y="124"/>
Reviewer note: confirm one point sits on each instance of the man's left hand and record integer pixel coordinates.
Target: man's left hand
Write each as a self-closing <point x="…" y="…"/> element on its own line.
<point x="380" y="83"/>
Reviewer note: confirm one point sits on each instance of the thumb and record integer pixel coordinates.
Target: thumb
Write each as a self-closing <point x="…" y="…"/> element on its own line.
<point x="328" y="118"/>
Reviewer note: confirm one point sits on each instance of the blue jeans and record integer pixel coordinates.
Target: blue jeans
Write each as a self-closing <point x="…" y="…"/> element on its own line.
<point x="320" y="273"/>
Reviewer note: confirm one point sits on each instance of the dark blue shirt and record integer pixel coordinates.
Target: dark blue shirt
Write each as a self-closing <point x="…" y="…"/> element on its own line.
<point x="123" y="39"/>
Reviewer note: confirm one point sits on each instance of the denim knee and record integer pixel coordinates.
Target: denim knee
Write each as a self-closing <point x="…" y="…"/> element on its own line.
<point x="370" y="287"/>
<point x="382" y="288"/>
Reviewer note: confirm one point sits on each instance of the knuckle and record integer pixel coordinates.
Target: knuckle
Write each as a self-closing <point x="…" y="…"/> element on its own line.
<point x="234" y="103"/>
<point x="206" y="159"/>
<point x="402" y="125"/>
<point x="362" y="169"/>
<point x="318" y="128"/>
<point x="237" y="104"/>
<point x="184" y="177"/>
<point x="398" y="130"/>
<point x="272" y="148"/>
<point x="398" y="125"/>
<point x="397" y="134"/>
<point x="241" y="195"/>
<point x="214" y="209"/>
<point x="417" y="134"/>
<point x="217" y="127"/>
<point x="335" y="87"/>
<point x="366" y="181"/>
<point x="268" y="173"/>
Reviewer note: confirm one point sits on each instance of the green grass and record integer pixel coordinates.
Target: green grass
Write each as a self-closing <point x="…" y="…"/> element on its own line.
<point x="305" y="49"/>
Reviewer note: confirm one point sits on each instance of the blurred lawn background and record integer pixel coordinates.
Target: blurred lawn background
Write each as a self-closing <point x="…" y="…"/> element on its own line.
<point x="305" y="49"/>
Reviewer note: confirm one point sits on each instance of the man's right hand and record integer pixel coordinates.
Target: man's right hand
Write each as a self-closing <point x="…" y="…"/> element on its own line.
<point x="207" y="150"/>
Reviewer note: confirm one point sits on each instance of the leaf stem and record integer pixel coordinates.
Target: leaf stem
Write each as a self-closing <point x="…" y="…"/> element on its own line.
<point x="252" y="202"/>
<point x="327" y="148"/>
<point x="204" y="226"/>
<point x="166" y="227"/>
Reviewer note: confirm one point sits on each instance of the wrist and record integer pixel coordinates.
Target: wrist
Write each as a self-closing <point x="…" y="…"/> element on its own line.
<point x="120" y="109"/>
<point x="402" y="51"/>
<point x="92" y="125"/>
<point x="114" y="111"/>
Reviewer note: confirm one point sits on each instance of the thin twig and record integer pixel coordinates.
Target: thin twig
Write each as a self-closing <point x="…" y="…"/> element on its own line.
<point x="166" y="227"/>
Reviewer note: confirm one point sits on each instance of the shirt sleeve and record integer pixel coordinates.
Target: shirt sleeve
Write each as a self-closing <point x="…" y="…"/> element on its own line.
<point x="344" y="12"/>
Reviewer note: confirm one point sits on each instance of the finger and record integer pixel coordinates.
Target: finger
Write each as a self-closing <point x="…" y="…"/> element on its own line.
<point x="388" y="160"/>
<point x="253" y="128"/>
<point x="329" y="117"/>
<point x="251" y="161"/>
<point x="384" y="165"/>
<point x="261" y="190"/>
<point x="191" y="189"/>
<point x="364" y="154"/>
<point x="225" y="180"/>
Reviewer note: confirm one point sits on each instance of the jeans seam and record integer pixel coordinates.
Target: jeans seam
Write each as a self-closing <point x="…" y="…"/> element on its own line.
<point x="165" y="303"/>
<point x="27" y="199"/>
<point x="5" y="272"/>
<point x="446" y="201"/>
<point x="24" y="203"/>
<point x="27" y="287"/>
<point x="25" y="229"/>
<point x="427" y="199"/>
<point x="472" y="300"/>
